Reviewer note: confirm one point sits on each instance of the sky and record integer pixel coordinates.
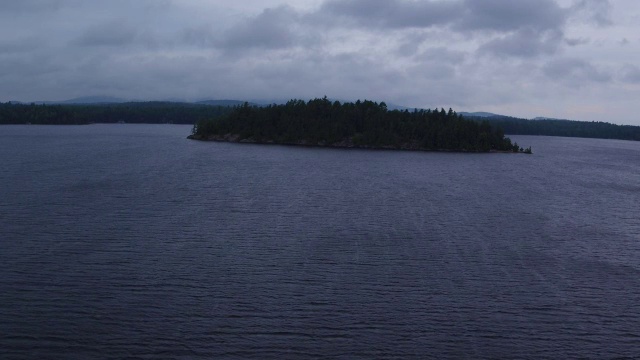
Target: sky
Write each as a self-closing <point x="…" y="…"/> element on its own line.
<point x="569" y="59"/>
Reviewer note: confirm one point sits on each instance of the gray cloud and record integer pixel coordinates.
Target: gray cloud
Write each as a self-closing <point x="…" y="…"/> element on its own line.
<point x="19" y="67"/>
<point x="630" y="74"/>
<point x="508" y="28"/>
<point x="596" y="11"/>
<point x="272" y="29"/>
<point x="575" y="71"/>
<point x="462" y="15"/>
<point x="525" y="28"/>
<point x="577" y="41"/>
<point x="394" y="13"/>
<point x="436" y="71"/>
<point x="115" y="33"/>
<point x="23" y="45"/>
<point x="509" y="15"/>
<point x="9" y="6"/>
<point x="442" y="55"/>
<point x="524" y="43"/>
<point x="200" y="36"/>
<point x="523" y="58"/>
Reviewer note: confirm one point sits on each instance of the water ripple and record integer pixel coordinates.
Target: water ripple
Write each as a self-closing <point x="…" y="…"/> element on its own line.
<point x="121" y="246"/>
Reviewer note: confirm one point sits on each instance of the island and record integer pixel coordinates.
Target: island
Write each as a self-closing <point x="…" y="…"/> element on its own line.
<point x="361" y="124"/>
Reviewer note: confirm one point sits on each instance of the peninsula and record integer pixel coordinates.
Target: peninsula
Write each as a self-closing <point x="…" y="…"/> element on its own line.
<point x="363" y="124"/>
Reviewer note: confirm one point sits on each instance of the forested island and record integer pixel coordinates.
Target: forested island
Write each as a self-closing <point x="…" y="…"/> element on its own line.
<point x="363" y="124"/>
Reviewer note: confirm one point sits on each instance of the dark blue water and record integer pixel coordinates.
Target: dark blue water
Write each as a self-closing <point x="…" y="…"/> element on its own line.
<point x="129" y="241"/>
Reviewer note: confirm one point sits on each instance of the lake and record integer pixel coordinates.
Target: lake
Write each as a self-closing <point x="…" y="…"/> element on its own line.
<point x="130" y="241"/>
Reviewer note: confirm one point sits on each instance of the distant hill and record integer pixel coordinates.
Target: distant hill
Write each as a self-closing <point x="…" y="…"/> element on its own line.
<point x="98" y="100"/>
<point x="548" y="118"/>
<point x="222" y="102"/>
<point x="481" y="114"/>
<point x="85" y="100"/>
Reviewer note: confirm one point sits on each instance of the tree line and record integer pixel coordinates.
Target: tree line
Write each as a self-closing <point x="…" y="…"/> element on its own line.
<point x="360" y="124"/>
<point x="186" y="113"/>
<point x="134" y="112"/>
<point x="567" y="128"/>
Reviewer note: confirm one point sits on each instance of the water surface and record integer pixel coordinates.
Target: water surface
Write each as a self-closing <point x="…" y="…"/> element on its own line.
<point x="132" y="241"/>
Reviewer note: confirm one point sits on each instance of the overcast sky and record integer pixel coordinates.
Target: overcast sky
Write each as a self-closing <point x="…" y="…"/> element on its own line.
<point x="575" y="59"/>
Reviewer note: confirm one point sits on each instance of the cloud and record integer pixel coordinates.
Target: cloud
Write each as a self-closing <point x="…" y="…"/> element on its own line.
<point x="524" y="43"/>
<point x="19" y="67"/>
<point x="393" y="13"/>
<point x="598" y="12"/>
<point x="23" y="45"/>
<point x="272" y="29"/>
<point x="199" y="36"/>
<point x="575" y="71"/>
<point x="116" y="33"/>
<point x="462" y="15"/>
<point x="475" y="54"/>
<point x="30" y="6"/>
<point x="525" y="28"/>
<point x="442" y="55"/>
<point x="630" y="74"/>
<point x="505" y="27"/>
<point x="508" y="15"/>
<point x="577" y="41"/>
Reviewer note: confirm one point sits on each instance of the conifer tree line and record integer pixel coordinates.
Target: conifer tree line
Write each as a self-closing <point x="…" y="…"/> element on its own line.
<point x="567" y="128"/>
<point x="157" y="112"/>
<point x="360" y="124"/>
<point x="12" y="114"/>
<point x="133" y="112"/>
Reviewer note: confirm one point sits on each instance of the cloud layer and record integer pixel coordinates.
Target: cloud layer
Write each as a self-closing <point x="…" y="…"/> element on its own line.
<point x="524" y="58"/>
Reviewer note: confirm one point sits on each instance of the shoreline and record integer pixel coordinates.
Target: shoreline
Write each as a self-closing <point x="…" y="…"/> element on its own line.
<point x="344" y="144"/>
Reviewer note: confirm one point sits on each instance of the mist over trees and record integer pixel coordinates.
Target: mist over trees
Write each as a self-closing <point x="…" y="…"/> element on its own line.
<point x="360" y="124"/>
